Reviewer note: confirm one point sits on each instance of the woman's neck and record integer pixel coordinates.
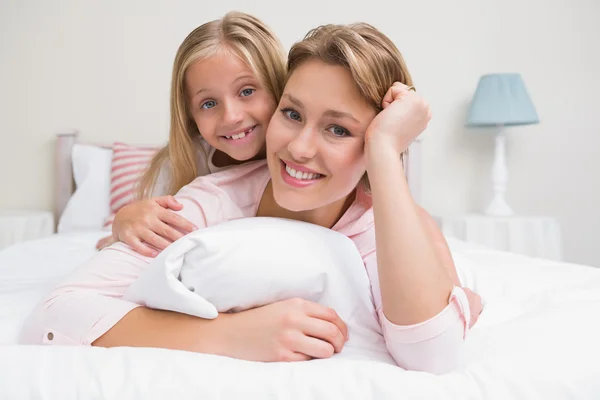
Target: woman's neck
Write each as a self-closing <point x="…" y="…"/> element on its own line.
<point x="326" y="216"/>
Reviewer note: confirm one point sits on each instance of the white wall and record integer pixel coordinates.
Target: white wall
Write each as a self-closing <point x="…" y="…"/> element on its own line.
<point x="104" y="69"/>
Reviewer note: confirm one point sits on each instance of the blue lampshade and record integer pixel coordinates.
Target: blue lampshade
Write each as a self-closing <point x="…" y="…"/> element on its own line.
<point x="501" y="99"/>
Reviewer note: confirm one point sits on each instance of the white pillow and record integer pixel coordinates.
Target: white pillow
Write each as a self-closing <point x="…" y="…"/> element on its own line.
<point x="88" y="207"/>
<point x="247" y="263"/>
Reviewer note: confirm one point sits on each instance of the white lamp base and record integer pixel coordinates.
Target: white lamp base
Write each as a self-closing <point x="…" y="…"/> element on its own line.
<point x="499" y="207"/>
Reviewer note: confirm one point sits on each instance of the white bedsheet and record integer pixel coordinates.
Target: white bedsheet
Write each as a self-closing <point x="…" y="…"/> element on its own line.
<point x="538" y="338"/>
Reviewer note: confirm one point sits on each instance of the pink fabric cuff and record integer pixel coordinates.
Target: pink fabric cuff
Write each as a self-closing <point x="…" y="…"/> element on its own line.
<point x="457" y="309"/>
<point x="58" y="336"/>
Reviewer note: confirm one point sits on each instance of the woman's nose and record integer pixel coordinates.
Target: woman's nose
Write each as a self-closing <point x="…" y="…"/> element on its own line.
<point x="304" y="146"/>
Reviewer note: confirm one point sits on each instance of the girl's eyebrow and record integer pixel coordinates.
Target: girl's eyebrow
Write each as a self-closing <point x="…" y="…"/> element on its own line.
<point x="244" y="76"/>
<point x="239" y="78"/>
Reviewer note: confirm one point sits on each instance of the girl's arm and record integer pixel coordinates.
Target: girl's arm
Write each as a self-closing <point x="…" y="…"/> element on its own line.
<point x="151" y="225"/>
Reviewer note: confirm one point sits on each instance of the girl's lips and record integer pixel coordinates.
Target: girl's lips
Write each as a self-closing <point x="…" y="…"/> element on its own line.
<point x="248" y="136"/>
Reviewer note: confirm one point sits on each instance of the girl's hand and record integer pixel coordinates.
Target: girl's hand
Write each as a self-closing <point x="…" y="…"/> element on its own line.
<point x="405" y="116"/>
<point x="105" y="242"/>
<point x="289" y="330"/>
<point x="474" y="304"/>
<point x="151" y="222"/>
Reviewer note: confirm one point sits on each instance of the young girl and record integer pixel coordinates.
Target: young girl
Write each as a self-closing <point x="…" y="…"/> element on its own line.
<point x="333" y="159"/>
<point x="228" y="76"/>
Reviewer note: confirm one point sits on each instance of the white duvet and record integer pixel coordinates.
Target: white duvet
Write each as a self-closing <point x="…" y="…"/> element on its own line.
<point x="538" y="338"/>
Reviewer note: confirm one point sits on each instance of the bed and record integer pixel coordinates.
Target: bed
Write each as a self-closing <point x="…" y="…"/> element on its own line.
<point x="538" y="337"/>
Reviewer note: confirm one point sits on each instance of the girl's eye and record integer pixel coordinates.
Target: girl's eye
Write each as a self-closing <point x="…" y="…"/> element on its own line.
<point x="209" y="104"/>
<point x="247" y="92"/>
<point x="339" y="131"/>
<point x="292" y="114"/>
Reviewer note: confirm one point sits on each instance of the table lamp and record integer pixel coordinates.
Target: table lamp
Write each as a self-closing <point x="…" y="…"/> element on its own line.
<point x="500" y="100"/>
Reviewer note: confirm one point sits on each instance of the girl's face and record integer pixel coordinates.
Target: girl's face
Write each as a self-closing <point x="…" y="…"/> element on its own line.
<point x="315" y="141"/>
<point x="229" y="105"/>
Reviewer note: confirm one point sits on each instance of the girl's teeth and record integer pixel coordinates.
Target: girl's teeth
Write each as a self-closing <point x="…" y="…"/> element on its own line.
<point x="240" y="135"/>
<point x="306" y="176"/>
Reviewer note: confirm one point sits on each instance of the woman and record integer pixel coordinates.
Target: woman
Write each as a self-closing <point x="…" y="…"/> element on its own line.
<point x="333" y="159"/>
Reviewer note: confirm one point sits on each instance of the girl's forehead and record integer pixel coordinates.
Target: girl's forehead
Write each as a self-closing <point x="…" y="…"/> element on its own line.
<point x="219" y="70"/>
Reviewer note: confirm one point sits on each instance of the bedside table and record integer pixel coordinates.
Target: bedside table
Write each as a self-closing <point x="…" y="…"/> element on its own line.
<point x="531" y="236"/>
<point x="20" y="225"/>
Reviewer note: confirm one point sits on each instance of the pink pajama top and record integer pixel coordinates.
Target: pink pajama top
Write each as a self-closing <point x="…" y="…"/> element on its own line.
<point x="89" y="302"/>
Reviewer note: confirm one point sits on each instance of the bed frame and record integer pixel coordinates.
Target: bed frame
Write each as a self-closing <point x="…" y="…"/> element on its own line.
<point x="65" y="184"/>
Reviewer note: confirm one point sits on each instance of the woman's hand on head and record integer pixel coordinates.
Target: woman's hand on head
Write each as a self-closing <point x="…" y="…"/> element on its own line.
<point x="288" y="330"/>
<point x="404" y="117"/>
<point x="150" y="225"/>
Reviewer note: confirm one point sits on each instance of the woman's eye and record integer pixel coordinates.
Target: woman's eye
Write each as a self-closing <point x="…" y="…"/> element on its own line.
<point x="247" y="92"/>
<point x="339" y="131"/>
<point x="208" y="104"/>
<point x="292" y="114"/>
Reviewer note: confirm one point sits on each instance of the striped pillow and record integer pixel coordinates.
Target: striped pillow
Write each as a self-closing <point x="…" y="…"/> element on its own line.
<point x="128" y="164"/>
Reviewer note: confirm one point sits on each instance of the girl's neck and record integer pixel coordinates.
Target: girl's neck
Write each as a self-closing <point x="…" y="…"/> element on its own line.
<point x="326" y="216"/>
<point x="220" y="159"/>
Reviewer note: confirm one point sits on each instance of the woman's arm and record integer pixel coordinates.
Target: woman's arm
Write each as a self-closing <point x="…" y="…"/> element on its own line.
<point x="424" y="315"/>
<point x="439" y="243"/>
<point x="144" y="327"/>
<point x="414" y="284"/>
<point x="89" y="303"/>
<point x="88" y="309"/>
<point x="289" y="330"/>
<point x="445" y="257"/>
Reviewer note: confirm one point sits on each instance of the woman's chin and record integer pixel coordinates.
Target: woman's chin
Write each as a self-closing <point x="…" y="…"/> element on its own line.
<point x="291" y="202"/>
<point x="286" y="203"/>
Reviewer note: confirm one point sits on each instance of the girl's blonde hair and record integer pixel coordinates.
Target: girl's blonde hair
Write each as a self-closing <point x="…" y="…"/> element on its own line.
<point x="371" y="57"/>
<point x="249" y="39"/>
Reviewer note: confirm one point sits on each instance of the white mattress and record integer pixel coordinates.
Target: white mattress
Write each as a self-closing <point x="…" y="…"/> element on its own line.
<point x="538" y="338"/>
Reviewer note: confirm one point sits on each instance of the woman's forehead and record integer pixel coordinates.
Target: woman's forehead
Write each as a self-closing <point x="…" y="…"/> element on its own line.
<point x="318" y="85"/>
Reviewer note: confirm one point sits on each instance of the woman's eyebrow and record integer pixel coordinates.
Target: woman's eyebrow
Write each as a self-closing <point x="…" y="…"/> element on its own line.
<point x="329" y="113"/>
<point x="294" y="100"/>
<point x="340" y="114"/>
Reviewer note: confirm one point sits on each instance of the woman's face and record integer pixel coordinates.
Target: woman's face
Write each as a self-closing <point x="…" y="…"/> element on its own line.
<point x="315" y="139"/>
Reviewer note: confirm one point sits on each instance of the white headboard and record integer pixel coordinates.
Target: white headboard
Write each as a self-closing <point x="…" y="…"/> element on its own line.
<point x="65" y="184"/>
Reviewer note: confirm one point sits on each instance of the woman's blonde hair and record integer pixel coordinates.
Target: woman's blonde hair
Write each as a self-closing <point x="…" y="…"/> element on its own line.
<point x="371" y="57"/>
<point x="245" y="36"/>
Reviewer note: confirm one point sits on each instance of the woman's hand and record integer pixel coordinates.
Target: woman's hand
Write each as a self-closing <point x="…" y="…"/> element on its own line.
<point x="404" y="117"/>
<point x="150" y="222"/>
<point x="289" y="330"/>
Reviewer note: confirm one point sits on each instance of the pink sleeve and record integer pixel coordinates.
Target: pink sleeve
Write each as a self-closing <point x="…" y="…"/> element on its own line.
<point x="435" y="345"/>
<point x="89" y="302"/>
